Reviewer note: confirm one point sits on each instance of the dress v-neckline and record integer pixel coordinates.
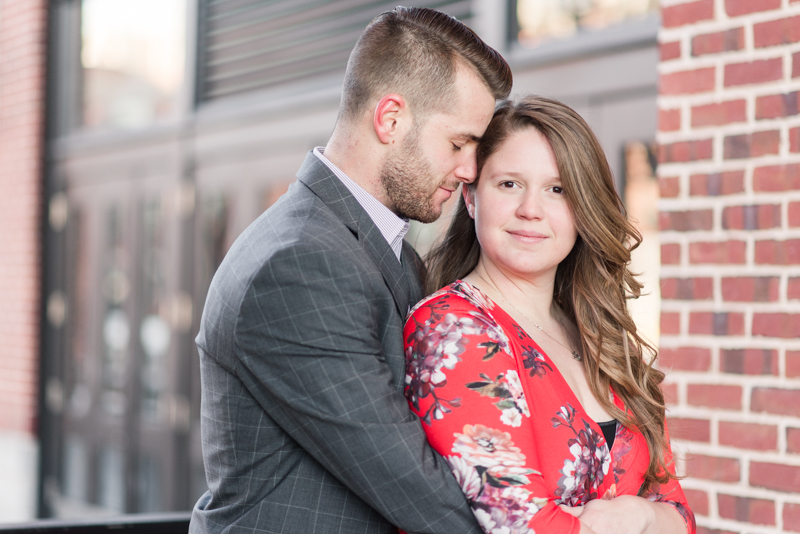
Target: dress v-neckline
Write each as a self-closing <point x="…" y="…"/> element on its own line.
<point x="548" y="360"/>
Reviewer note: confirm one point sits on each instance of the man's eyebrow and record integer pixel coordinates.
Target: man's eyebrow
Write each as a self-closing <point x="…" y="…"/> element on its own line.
<point x="468" y="137"/>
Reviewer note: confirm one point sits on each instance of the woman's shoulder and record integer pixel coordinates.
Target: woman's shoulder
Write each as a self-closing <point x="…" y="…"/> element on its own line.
<point x="459" y="296"/>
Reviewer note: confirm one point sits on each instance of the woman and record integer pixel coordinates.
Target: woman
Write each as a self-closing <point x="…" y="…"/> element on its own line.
<point x="526" y="368"/>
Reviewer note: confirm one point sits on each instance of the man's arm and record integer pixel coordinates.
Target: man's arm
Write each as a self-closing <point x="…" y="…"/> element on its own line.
<point x="309" y="351"/>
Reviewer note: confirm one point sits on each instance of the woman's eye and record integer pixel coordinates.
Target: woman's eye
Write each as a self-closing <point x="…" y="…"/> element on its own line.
<point x="507" y="185"/>
<point x="558" y="190"/>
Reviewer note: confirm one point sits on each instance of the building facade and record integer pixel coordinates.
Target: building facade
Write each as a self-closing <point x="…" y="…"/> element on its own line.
<point x="169" y="126"/>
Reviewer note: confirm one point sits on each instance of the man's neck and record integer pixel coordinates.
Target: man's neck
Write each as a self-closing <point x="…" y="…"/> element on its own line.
<point x="359" y="160"/>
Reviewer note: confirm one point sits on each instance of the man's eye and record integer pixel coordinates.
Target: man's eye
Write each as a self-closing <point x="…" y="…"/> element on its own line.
<point x="456" y="147"/>
<point x="507" y="185"/>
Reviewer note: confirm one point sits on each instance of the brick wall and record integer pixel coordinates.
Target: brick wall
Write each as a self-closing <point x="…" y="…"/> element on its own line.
<point x="22" y="56"/>
<point x="729" y="173"/>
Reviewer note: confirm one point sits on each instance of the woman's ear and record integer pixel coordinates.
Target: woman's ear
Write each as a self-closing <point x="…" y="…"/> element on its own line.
<point x="468" y="193"/>
<point x="390" y="114"/>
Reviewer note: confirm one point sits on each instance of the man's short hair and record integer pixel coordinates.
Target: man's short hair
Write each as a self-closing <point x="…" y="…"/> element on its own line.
<point x="415" y="52"/>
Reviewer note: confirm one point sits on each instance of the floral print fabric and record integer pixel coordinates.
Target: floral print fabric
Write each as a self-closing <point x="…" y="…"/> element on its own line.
<point x="507" y="423"/>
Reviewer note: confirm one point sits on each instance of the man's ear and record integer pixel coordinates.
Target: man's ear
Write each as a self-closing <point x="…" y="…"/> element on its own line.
<point x="390" y="115"/>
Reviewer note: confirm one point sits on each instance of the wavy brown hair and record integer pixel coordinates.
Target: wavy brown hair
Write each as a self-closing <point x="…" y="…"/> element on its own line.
<point x="593" y="282"/>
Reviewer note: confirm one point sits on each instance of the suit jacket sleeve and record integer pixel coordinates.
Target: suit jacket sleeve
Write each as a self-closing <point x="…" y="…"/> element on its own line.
<point x="308" y="351"/>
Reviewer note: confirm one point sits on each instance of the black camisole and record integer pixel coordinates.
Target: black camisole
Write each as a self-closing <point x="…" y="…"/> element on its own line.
<point x="609" y="429"/>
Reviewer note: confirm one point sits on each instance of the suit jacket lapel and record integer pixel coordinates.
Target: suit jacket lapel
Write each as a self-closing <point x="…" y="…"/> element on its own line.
<point x="314" y="174"/>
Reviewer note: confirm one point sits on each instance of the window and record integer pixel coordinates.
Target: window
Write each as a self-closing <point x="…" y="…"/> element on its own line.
<point x="133" y="55"/>
<point x="541" y="20"/>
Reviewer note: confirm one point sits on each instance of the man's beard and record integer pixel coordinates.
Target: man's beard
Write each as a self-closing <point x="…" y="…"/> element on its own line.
<point x="407" y="179"/>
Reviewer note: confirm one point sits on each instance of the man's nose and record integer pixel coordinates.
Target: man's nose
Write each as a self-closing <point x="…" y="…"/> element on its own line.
<point x="467" y="171"/>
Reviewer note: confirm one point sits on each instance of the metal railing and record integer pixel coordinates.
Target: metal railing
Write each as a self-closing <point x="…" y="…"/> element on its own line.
<point x="168" y="523"/>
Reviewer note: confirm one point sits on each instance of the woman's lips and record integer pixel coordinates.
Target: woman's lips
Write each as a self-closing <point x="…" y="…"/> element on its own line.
<point x="528" y="236"/>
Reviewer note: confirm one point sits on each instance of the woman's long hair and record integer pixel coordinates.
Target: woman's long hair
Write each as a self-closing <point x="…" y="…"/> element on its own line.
<point x="593" y="282"/>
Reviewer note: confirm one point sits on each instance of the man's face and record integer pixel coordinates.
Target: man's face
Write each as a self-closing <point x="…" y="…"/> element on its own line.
<point x="434" y="158"/>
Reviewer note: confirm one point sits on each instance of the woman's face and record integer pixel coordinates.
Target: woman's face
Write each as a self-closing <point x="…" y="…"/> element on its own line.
<point x="523" y="222"/>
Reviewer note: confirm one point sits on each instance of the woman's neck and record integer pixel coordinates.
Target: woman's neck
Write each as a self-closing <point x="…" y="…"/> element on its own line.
<point x="533" y="296"/>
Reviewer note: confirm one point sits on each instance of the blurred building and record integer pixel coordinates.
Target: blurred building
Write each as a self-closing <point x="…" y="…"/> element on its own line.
<point x="170" y="125"/>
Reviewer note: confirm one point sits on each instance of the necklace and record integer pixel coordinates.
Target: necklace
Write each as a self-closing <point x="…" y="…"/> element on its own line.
<point x="575" y="355"/>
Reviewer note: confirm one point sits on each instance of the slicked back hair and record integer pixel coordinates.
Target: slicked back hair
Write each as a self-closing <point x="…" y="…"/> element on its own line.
<point x="415" y="52"/>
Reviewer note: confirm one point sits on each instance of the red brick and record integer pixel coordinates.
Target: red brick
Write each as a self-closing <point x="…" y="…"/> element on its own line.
<point x="685" y="359"/>
<point x="782" y="325"/>
<point x="716" y="323"/>
<point x="748" y="436"/>
<point x="690" y="429"/>
<point x="777" y="178"/>
<point x="749" y="361"/>
<point x="686" y="221"/>
<point x="750" y="288"/>
<point x="777" y="106"/>
<point x="713" y="468"/>
<point x="776" y="32"/>
<point x="698" y="501"/>
<point x="669" y="120"/>
<point x="794" y="140"/>
<point x="721" y="252"/>
<point x="719" y="113"/>
<point x="793" y="216"/>
<point x="715" y="396"/>
<point x="777" y="401"/>
<point x="777" y="477"/>
<point x="706" y="530"/>
<point x="759" y="71"/>
<point x="670" y="323"/>
<point x="793" y="440"/>
<point x="687" y="13"/>
<point x="791" y="515"/>
<point x="752" y="145"/>
<point x="737" y="8"/>
<point x="720" y="183"/>
<point x="687" y="82"/>
<point x="684" y="151"/>
<point x="670" y="393"/>
<point x="669" y="51"/>
<point x="687" y="288"/>
<point x="748" y="510"/>
<point x="670" y="254"/>
<point x="759" y="217"/>
<point x="717" y="42"/>
<point x="796" y="65"/>
<point x="773" y="252"/>
<point x="792" y="363"/>
<point x="669" y="186"/>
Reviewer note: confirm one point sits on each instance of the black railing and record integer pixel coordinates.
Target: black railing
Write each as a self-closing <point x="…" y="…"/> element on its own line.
<point x="170" y="523"/>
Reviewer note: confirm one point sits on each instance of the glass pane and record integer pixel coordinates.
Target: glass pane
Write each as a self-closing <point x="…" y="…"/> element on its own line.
<point x="111" y="484"/>
<point x="154" y="332"/>
<point x="541" y="20"/>
<point x="133" y="55"/>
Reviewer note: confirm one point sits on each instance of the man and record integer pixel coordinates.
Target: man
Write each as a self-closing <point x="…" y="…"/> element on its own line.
<point x="305" y="427"/>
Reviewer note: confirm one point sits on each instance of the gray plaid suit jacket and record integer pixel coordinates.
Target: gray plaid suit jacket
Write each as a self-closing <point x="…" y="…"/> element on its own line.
<point x="304" y="425"/>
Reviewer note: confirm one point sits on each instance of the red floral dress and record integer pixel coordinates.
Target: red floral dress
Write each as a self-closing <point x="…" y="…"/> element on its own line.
<point x="511" y="429"/>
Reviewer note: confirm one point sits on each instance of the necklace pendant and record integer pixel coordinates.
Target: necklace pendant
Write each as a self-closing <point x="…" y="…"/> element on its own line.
<point x="576" y="356"/>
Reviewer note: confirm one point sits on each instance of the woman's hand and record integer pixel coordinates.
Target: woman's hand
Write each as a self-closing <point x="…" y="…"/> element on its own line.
<point x="627" y="515"/>
<point x="623" y="515"/>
